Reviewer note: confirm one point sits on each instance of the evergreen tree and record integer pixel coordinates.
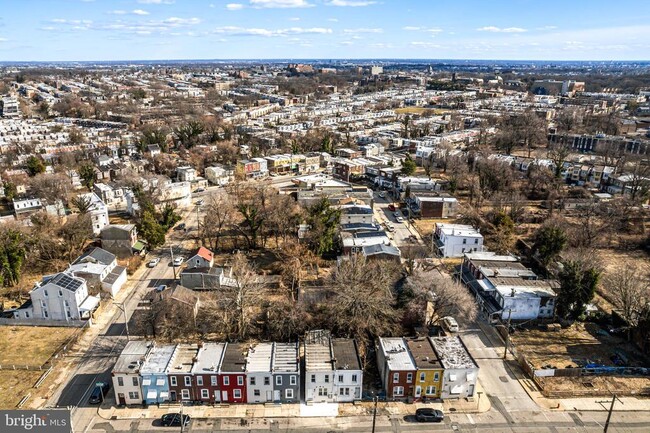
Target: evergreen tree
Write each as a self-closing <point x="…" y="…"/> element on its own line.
<point x="408" y="166"/>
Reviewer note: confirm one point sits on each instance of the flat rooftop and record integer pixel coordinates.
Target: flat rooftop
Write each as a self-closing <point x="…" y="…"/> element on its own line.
<point x="208" y="359"/>
<point x="490" y="256"/>
<point x="158" y="360"/>
<point x="285" y="358"/>
<point x="345" y="353"/>
<point x="458" y="230"/>
<point x="183" y="359"/>
<point x="452" y="353"/>
<point x="423" y="354"/>
<point x="396" y="354"/>
<point x="234" y="358"/>
<point x="259" y="358"/>
<point x="318" y="353"/>
<point x="132" y="357"/>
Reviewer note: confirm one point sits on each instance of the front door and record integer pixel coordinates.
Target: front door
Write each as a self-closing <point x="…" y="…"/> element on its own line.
<point x="121" y="400"/>
<point x="217" y="396"/>
<point x="277" y="396"/>
<point x="418" y="391"/>
<point x="224" y="396"/>
<point x="173" y="395"/>
<point x="470" y="391"/>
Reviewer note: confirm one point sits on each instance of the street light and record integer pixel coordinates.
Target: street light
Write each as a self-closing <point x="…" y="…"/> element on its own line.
<point x="611" y="409"/>
<point x="126" y="321"/>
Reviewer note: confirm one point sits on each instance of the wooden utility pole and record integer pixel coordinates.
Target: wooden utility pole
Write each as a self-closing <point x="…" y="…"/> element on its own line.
<point x="374" y="413"/>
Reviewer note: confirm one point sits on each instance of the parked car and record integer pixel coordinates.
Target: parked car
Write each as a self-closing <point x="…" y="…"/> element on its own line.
<point x="200" y="190"/>
<point x="181" y="226"/>
<point x="161" y="288"/>
<point x="390" y="228"/>
<point x="450" y="324"/>
<point x="429" y="415"/>
<point x="399" y="219"/>
<point x="174" y="420"/>
<point x="178" y="261"/>
<point x="391" y="207"/>
<point x="396" y="214"/>
<point x="99" y="392"/>
<point x="382" y="194"/>
<point x="153" y="262"/>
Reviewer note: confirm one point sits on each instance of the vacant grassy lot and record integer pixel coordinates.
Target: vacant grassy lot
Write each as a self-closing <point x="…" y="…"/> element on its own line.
<point x="30" y="345"/>
<point x="581" y="343"/>
<point x="14" y="385"/>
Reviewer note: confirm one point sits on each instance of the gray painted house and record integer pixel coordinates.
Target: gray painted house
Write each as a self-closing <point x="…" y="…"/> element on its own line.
<point x="286" y="373"/>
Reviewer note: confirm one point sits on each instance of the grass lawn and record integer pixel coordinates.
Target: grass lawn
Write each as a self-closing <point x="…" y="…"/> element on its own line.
<point x="31" y="345"/>
<point x="14" y="385"/>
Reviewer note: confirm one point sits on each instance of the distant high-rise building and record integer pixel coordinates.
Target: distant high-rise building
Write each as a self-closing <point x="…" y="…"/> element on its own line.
<point x="376" y="70"/>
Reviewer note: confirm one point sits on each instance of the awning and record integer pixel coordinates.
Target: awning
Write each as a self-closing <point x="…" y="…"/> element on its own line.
<point x="457" y="389"/>
<point x="161" y="381"/>
<point x="139" y="246"/>
<point x="152" y="394"/>
<point x="89" y="304"/>
<point x="164" y="395"/>
<point x="146" y="382"/>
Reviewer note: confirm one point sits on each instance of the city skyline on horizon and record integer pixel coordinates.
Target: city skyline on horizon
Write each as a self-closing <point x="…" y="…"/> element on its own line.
<point x="177" y="30"/>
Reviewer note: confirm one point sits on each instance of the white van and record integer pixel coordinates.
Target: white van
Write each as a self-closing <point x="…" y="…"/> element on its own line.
<point x="450" y="324"/>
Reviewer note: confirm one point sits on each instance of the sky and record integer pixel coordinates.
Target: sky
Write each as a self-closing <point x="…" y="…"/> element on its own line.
<point x="87" y="30"/>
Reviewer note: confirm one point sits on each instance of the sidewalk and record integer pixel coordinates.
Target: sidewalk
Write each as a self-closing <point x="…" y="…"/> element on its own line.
<point x="318" y="410"/>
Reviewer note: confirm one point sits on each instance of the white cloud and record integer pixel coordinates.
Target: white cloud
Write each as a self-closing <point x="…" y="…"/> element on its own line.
<point x="364" y="30"/>
<point x="294" y="19"/>
<point x="175" y="21"/>
<point x="334" y="20"/>
<point x="350" y="3"/>
<point x="494" y="29"/>
<point x="156" y="2"/>
<point x="411" y="28"/>
<point x="282" y="4"/>
<point x="241" y="31"/>
<point x="433" y="30"/>
<point x="234" y="6"/>
<point x="547" y="28"/>
<point x="133" y="12"/>
<point x="346" y="43"/>
<point x="139" y="12"/>
<point x="4" y="39"/>
<point x="425" y="45"/>
<point x="117" y="12"/>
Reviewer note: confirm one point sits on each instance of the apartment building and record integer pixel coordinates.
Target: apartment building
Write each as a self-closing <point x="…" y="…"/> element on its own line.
<point x="454" y="240"/>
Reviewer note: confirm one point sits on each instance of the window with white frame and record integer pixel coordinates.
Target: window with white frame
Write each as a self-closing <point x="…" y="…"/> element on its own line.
<point x="240" y="380"/>
<point x="172" y="380"/>
<point x="213" y="380"/>
<point x="436" y="377"/>
<point x="292" y="380"/>
<point x="205" y="393"/>
<point x="395" y="377"/>
<point x="188" y="380"/>
<point x="120" y="381"/>
<point x="398" y="391"/>
<point x="355" y="378"/>
<point x="199" y="380"/>
<point x="340" y="378"/>
<point x="288" y="393"/>
<point x="226" y="380"/>
<point x="236" y="393"/>
<point x="135" y="381"/>
<point x="185" y="394"/>
<point x="134" y="395"/>
<point x="278" y="380"/>
<point x="431" y="390"/>
<point x="422" y="377"/>
<point x="409" y="377"/>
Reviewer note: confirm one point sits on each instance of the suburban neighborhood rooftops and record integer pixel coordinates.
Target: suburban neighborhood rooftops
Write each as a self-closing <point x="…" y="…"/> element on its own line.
<point x="423" y="354"/>
<point x="458" y="230"/>
<point x="208" y="358"/>
<point x="452" y="352"/>
<point x="132" y="357"/>
<point x="158" y="360"/>
<point x="234" y="358"/>
<point x="396" y="354"/>
<point x="490" y="256"/>
<point x="345" y="354"/>
<point x="372" y="250"/>
<point x="183" y="359"/>
<point x="285" y="358"/>
<point x="259" y="358"/>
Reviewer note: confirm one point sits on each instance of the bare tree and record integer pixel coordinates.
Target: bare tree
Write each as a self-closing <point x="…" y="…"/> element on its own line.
<point x="363" y="301"/>
<point x="219" y="214"/>
<point x="629" y="289"/>
<point x="434" y="296"/>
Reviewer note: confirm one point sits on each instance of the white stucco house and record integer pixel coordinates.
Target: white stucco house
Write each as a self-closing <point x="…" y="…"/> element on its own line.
<point x="98" y="211"/>
<point x="98" y="266"/>
<point x="454" y="240"/>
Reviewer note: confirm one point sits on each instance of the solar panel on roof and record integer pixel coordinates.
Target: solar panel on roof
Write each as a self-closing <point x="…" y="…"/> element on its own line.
<point x="67" y="282"/>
